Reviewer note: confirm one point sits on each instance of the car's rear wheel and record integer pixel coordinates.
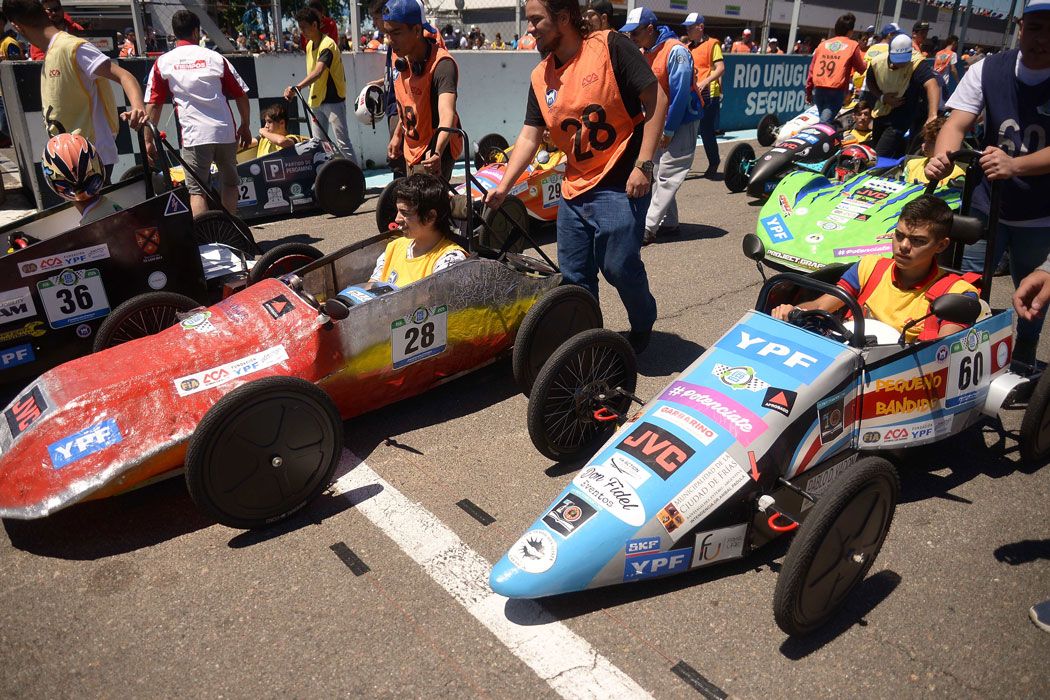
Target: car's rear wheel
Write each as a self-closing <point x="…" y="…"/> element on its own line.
<point x="339" y="187"/>
<point x="1035" y="425"/>
<point x="497" y="227"/>
<point x="489" y="149"/>
<point x="736" y="177"/>
<point x="767" y="130"/>
<point x="556" y="316"/>
<point x="386" y="207"/>
<point x="264" y="451"/>
<point x="220" y="227"/>
<point x="836" y="545"/>
<point x="576" y="381"/>
<point x="141" y="316"/>
<point x="282" y="259"/>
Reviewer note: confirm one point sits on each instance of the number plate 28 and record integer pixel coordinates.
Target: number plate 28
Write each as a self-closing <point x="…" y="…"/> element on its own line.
<point x="422" y="334"/>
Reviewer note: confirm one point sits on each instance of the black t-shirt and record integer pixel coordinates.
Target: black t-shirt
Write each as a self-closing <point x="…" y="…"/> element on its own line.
<point x="444" y="79"/>
<point x="914" y="96"/>
<point x="330" y="94"/>
<point x="633" y="76"/>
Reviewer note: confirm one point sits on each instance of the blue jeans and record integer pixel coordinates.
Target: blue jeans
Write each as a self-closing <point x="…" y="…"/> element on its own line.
<point x="601" y="229"/>
<point x="829" y="102"/>
<point x="1029" y="247"/>
<point x="708" y="126"/>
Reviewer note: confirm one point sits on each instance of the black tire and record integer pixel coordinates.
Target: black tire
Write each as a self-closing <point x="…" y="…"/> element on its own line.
<point x="386" y="207"/>
<point x="735" y="178"/>
<point x="132" y="173"/>
<point x="820" y="570"/>
<point x="219" y="227"/>
<point x="231" y="468"/>
<point x="1035" y="424"/>
<point x="282" y="259"/>
<point x="485" y="148"/>
<point x="556" y="316"/>
<point x="339" y="187"/>
<point x="561" y="408"/>
<point x="767" y="130"/>
<point x="495" y="228"/>
<point x="141" y="316"/>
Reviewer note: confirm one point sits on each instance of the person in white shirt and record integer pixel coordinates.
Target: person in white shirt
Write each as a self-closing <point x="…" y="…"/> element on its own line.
<point x="201" y="82"/>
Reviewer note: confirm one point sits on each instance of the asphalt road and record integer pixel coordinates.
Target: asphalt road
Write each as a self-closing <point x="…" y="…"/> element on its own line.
<point x="142" y="596"/>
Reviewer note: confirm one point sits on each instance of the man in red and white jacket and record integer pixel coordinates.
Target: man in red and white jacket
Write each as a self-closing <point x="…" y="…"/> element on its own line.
<point x="201" y="82"/>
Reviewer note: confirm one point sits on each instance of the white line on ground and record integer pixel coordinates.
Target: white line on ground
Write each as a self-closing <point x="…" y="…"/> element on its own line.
<point x="566" y="661"/>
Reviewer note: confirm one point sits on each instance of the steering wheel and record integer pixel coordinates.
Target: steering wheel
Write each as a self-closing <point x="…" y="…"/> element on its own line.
<point x="820" y="321"/>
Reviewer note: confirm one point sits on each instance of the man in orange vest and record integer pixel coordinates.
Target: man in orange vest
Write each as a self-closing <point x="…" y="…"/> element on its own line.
<point x="745" y="45"/>
<point x="710" y="66"/>
<point x="919" y="32"/>
<point x="944" y="63"/>
<point x="673" y="66"/>
<point x="834" y="62"/>
<point x="605" y="110"/>
<point x="527" y="43"/>
<point x="426" y="83"/>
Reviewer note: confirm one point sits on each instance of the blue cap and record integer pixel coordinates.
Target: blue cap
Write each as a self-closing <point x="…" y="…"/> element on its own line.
<point x="693" y="18"/>
<point x="870" y="29"/>
<point x="409" y="12"/>
<point x="891" y="28"/>
<point x="1036" y="6"/>
<point x="639" y="17"/>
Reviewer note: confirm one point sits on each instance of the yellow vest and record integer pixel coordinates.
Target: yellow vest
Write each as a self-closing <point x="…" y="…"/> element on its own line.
<point x="915" y="172"/>
<point x="400" y="271"/>
<point x="876" y="50"/>
<point x="853" y="136"/>
<point x="62" y="88"/>
<point x="320" y="86"/>
<point x="891" y="81"/>
<point x="266" y="146"/>
<point x="5" y="46"/>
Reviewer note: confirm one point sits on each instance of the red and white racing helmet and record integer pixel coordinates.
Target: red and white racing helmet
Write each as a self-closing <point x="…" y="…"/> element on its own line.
<point x="854" y="159"/>
<point x="73" y="167"/>
<point x="371" y="105"/>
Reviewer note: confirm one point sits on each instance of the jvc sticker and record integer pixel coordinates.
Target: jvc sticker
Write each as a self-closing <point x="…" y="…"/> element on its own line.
<point x="217" y="376"/>
<point x="87" y="441"/>
<point x="16" y="304"/>
<point x="569" y="515"/>
<point x="657" y="448"/>
<point x="657" y="564"/>
<point x="72" y="297"/>
<point x="419" y="336"/>
<point x="61" y="260"/>
<point x="25" y="410"/>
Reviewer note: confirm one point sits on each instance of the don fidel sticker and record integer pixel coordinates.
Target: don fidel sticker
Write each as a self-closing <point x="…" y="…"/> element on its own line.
<point x="421" y="334"/>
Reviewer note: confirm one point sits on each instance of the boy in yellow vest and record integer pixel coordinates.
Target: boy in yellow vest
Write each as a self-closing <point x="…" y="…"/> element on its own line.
<point x="324" y="75"/>
<point x="424" y="216"/>
<point x="900" y="289"/>
<point x="273" y="136"/>
<point x="75" y="81"/>
<point x="914" y="168"/>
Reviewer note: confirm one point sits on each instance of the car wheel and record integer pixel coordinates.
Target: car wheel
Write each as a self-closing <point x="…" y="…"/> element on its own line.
<point x="141" y="316"/>
<point x="567" y="392"/>
<point x="557" y="316"/>
<point x="263" y="451"/>
<point x="133" y="173"/>
<point x="767" y="130"/>
<point x="339" y="187"/>
<point x="1035" y="425"/>
<point x="497" y="227"/>
<point x="736" y="178"/>
<point x="486" y="148"/>
<point x="386" y="207"/>
<point x="836" y="545"/>
<point x="282" y="259"/>
<point x="220" y="227"/>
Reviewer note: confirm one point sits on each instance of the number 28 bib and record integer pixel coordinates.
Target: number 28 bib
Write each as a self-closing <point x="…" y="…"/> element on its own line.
<point x="584" y="111"/>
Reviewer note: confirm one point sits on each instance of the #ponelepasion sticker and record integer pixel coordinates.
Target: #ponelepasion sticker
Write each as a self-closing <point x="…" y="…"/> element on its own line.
<point x="421" y="334"/>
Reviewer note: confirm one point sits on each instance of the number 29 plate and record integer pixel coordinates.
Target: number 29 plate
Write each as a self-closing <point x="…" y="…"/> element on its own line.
<point x="418" y="336"/>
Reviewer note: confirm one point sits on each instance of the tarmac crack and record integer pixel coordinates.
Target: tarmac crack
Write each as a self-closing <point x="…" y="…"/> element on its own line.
<point x="686" y="309"/>
<point x="913" y="656"/>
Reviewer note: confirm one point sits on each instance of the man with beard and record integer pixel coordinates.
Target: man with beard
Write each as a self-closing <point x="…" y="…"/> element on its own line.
<point x="605" y="111"/>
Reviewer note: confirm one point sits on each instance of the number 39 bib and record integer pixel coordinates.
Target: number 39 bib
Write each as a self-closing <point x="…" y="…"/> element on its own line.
<point x="73" y="296"/>
<point x="421" y="335"/>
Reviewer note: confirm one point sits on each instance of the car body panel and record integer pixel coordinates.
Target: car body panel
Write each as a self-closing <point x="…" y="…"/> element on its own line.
<point x="538" y="188"/>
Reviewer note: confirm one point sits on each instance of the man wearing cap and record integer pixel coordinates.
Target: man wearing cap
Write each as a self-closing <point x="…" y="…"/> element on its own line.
<point x="599" y="15"/>
<point x="673" y="66"/>
<point x="882" y="46"/>
<point x="919" y="32"/>
<point x="426" y="83"/>
<point x="324" y="75"/>
<point x="710" y="66"/>
<point x="1012" y="90"/>
<point x="773" y="47"/>
<point x="605" y="110"/>
<point x="745" y="45"/>
<point x="897" y="83"/>
<point x="835" y="60"/>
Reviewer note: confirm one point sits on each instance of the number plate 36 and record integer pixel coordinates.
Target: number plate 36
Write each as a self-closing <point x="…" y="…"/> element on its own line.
<point x="73" y="296"/>
<point x="422" y="334"/>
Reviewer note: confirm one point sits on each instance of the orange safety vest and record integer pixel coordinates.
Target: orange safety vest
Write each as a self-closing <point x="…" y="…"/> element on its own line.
<point x="526" y="43"/>
<point x="584" y="112"/>
<point x="703" y="63"/>
<point x="931" y="327"/>
<point x="658" y="62"/>
<point x="740" y="47"/>
<point x="418" y="120"/>
<point x="942" y="60"/>
<point x="830" y="67"/>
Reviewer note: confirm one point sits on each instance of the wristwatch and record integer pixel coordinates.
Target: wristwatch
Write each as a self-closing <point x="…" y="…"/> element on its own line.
<point x="646" y="166"/>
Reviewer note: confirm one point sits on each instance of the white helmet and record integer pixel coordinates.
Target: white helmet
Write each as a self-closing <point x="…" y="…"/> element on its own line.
<point x="371" y="105"/>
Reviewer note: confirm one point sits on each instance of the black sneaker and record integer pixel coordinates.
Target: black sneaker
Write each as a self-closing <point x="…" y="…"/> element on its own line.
<point x="639" y="340"/>
<point x="648" y="237"/>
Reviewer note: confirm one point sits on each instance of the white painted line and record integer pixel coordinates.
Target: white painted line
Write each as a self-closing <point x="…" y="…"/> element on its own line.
<point x="566" y="661"/>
